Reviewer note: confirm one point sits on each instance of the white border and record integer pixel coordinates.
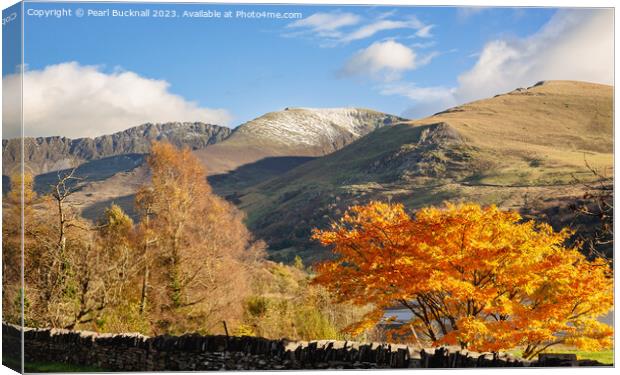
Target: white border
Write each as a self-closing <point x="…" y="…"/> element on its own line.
<point x="505" y="3"/>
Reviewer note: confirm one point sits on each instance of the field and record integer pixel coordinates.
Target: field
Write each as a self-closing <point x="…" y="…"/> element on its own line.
<point x="48" y="366"/>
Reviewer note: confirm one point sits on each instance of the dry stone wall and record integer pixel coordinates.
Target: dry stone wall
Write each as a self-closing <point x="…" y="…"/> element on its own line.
<point x="135" y="352"/>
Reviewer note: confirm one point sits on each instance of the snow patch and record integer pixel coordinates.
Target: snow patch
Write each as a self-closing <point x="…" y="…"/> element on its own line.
<point x="313" y="126"/>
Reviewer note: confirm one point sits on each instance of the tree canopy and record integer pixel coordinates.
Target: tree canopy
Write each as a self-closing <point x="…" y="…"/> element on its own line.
<point x="191" y="239"/>
<point x="475" y="276"/>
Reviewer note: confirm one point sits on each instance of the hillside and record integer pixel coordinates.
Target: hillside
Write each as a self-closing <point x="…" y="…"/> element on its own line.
<point x="48" y="154"/>
<point x="520" y="150"/>
<point x="278" y="141"/>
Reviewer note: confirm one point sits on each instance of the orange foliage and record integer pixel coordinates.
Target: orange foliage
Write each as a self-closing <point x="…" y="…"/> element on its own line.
<point x="190" y="241"/>
<point x="479" y="277"/>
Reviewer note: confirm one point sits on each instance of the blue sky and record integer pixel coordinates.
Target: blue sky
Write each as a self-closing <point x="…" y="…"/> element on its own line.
<point x="407" y="61"/>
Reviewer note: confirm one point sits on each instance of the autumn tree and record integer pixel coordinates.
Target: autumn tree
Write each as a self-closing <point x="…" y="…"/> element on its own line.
<point x="116" y="232"/>
<point x="12" y="208"/>
<point x="186" y="265"/>
<point x="478" y="277"/>
<point x="594" y="211"/>
<point x="195" y="248"/>
<point x="118" y="262"/>
<point x="70" y="267"/>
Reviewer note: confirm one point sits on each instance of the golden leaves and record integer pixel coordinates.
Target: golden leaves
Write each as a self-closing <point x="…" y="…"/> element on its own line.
<point x="473" y="275"/>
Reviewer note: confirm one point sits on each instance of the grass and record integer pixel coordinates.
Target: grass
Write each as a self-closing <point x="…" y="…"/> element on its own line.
<point x="605" y="356"/>
<point x="35" y="367"/>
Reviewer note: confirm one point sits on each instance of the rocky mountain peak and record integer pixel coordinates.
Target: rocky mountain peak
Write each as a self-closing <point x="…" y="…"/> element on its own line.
<point x="315" y="127"/>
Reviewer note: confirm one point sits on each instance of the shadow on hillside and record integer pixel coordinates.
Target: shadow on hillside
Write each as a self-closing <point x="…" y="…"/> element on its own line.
<point x="91" y="171"/>
<point x="6" y="184"/>
<point x="226" y="185"/>
<point x="247" y="175"/>
<point x="95" y="211"/>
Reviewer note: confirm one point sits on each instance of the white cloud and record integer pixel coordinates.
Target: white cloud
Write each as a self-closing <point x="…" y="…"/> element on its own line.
<point x="381" y="60"/>
<point x="426" y="59"/>
<point x="326" y="24"/>
<point x="337" y="28"/>
<point x="425" y="32"/>
<point x="428" y="99"/>
<point x="72" y="100"/>
<point x="573" y="45"/>
<point x="383" y="25"/>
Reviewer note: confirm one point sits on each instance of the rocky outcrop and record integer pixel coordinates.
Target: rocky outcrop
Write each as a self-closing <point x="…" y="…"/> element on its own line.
<point x="46" y="154"/>
<point x="440" y="153"/>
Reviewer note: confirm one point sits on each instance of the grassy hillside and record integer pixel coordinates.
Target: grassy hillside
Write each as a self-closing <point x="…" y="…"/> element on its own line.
<point x="539" y="135"/>
<point x="520" y="150"/>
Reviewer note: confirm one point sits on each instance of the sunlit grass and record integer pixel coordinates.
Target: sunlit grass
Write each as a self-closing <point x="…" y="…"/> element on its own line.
<point x="605" y="356"/>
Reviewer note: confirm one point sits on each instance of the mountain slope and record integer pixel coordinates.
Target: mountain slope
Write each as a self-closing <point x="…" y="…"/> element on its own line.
<point x="261" y="148"/>
<point x="47" y="154"/>
<point x="520" y="150"/>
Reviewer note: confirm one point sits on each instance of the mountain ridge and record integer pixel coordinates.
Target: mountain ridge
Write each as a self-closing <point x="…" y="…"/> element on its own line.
<point x="246" y="153"/>
<point x="293" y="132"/>
<point x="47" y="154"/>
<point x="311" y="125"/>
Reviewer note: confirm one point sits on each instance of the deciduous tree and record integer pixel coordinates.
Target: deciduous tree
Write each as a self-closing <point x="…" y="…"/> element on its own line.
<point x="595" y="212"/>
<point x="72" y="271"/>
<point x="195" y="246"/>
<point x="12" y="205"/>
<point x="479" y="277"/>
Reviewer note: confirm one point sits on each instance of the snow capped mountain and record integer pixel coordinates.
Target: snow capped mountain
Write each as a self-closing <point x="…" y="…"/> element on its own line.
<point x="314" y="127"/>
<point x="278" y="141"/>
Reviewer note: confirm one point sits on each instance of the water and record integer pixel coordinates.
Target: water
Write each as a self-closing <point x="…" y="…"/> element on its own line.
<point x="404" y="315"/>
